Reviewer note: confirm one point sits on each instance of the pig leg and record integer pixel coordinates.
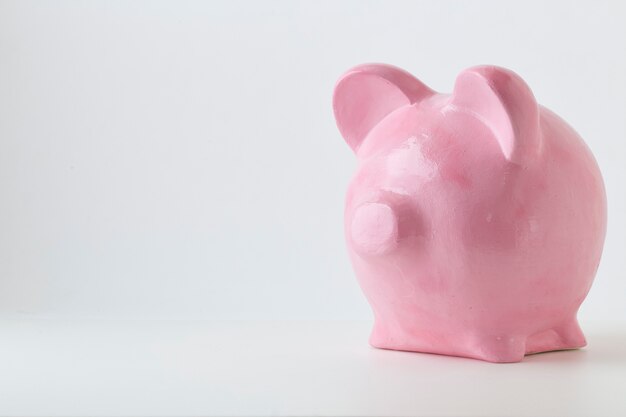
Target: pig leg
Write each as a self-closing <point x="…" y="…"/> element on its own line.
<point x="565" y="336"/>
<point x="570" y="335"/>
<point x="498" y="348"/>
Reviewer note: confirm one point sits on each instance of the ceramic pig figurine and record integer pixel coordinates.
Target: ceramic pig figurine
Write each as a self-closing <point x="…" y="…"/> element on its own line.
<point x="475" y="221"/>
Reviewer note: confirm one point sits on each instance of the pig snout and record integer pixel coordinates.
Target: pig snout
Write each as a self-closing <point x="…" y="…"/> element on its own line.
<point x="374" y="229"/>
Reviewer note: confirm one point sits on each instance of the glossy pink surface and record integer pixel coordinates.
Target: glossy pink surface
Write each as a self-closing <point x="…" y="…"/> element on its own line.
<point x="475" y="221"/>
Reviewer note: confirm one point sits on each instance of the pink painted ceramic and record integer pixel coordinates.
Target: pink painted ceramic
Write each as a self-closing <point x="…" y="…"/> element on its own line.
<point x="475" y="220"/>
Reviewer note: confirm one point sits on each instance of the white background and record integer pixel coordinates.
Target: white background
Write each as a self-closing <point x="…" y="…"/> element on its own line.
<point x="180" y="160"/>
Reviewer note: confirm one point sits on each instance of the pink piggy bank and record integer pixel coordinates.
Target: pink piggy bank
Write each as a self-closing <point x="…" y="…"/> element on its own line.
<point x="475" y="221"/>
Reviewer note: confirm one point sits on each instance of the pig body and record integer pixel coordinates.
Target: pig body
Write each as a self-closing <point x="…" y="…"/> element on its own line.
<point x="475" y="221"/>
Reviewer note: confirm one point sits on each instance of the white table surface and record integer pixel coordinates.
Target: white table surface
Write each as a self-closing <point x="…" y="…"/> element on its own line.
<point x="185" y="368"/>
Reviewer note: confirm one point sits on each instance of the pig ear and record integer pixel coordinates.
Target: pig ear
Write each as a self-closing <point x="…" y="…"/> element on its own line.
<point x="503" y="101"/>
<point x="366" y="94"/>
